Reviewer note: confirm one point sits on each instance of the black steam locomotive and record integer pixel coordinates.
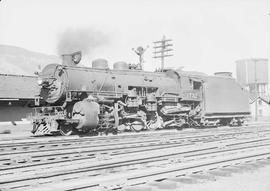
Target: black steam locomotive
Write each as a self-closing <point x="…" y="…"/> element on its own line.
<point x="82" y="100"/>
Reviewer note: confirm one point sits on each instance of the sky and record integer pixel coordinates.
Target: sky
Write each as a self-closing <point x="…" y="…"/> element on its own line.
<point x="208" y="35"/>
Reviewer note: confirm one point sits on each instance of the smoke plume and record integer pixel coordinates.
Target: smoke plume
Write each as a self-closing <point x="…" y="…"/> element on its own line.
<point x="85" y="40"/>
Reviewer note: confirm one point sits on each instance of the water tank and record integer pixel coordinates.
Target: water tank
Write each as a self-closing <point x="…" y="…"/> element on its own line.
<point x="100" y="64"/>
<point x="224" y="74"/>
<point x="120" y="66"/>
<point x="252" y="71"/>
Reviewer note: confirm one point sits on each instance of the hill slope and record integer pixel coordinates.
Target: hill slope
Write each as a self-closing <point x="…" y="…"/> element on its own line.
<point x="15" y="60"/>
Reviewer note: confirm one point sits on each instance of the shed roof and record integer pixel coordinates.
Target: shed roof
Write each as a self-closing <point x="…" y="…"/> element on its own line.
<point x="253" y="97"/>
<point x="18" y="87"/>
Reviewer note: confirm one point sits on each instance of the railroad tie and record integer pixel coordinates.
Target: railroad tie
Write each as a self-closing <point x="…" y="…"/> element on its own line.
<point x="165" y="184"/>
<point x="138" y="188"/>
<point x="184" y="180"/>
<point x="220" y="172"/>
<point x="203" y="177"/>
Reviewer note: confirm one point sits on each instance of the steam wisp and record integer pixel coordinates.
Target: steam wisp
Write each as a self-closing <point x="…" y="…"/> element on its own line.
<point x="85" y="40"/>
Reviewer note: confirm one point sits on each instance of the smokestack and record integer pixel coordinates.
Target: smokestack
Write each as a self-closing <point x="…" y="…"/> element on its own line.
<point x="71" y="59"/>
<point x="67" y="60"/>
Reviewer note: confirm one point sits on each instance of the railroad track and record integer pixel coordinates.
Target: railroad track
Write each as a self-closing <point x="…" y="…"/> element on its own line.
<point x="125" y="162"/>
<point x="31" y="154"/>
<point x="93" y="178"/>
<point x="25" y="143"/>
<point x="55" y="139"/>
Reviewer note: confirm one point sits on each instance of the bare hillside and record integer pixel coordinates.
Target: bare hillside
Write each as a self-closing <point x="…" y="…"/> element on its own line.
<point x="15" y="60"/>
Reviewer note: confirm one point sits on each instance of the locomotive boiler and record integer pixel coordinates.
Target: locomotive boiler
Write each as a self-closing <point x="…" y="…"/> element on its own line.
<point x="95" y="100"/>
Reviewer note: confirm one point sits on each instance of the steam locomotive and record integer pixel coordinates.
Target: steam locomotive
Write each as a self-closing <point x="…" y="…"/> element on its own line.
<point x="82" y="100"/>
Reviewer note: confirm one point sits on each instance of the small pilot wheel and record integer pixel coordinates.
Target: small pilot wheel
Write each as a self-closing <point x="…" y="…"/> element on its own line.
<point x="66" y="130"/>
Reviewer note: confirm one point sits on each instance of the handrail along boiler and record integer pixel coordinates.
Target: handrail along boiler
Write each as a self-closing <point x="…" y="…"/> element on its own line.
<point x="100" y="100"/>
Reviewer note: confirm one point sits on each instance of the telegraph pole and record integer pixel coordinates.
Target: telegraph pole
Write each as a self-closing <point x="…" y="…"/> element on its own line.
<point x="162" y="49"/>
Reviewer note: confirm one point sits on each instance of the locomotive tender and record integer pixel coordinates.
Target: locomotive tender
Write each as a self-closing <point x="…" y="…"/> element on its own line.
<point x="83" y="100"/>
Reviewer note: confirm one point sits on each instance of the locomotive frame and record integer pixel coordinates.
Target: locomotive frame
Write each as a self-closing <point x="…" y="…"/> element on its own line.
<point x="106" y="101"/>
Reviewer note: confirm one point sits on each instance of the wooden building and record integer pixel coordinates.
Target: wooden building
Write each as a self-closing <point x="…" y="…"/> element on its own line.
<point x="17" y="95"/>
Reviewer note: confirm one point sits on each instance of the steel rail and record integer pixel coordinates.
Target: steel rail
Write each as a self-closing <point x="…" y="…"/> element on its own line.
<point x="133" y="161"/>
<point x="83" y="152"/>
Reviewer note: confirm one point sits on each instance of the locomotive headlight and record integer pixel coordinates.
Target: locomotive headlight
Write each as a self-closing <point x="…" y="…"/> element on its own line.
<point x="39" y="81"/>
